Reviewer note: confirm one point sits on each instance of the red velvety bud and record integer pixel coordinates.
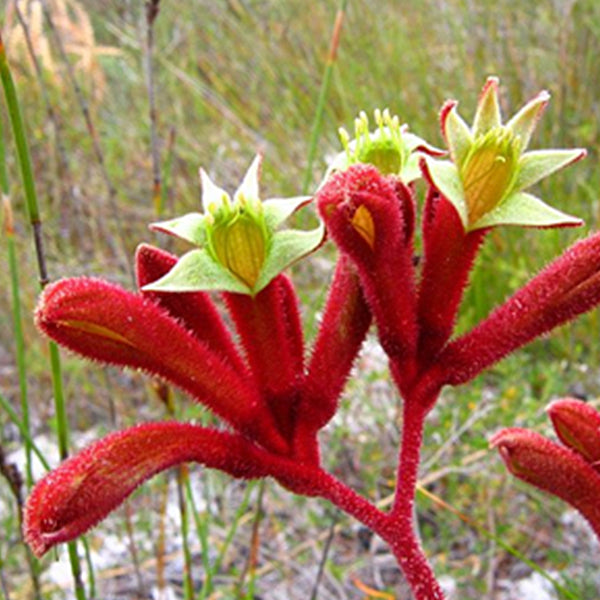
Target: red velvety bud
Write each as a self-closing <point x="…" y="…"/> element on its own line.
<point x="566" y="288"/>
<point x="449" y="254"/>
<point x="88" y="486"/>
<point x="577" y="424"/>
<point x="107" y="323"/>
<point x="365" y="215"/>
<point x="345" y="323"/>
<point x="552" y="468"/>
<point x="271" y="334"/>
<point x="195" y="310"/>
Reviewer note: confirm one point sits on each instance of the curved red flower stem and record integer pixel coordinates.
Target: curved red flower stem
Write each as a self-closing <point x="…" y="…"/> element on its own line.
<point x="394" y="528"/>
<point x="403" y="537"/>
<point x="397" y="527"/>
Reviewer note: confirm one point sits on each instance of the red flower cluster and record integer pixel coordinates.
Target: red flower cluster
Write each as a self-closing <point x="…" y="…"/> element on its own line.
<point x="570" y="471"/>
<point x="273" y="395"/>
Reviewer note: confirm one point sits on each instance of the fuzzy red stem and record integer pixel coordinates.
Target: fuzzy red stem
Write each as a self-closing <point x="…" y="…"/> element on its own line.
<point x="402" y="535"/>
<point x="398" y="527"/>
<point x="396" y="530"/>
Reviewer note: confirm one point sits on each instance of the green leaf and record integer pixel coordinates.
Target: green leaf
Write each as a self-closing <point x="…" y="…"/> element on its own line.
<point x="534" y="166"/>
<point x="198" y="271"/>
<point x="526" y="210"/>
<point x="190" y="227"/>
<point x="287" y="247"/>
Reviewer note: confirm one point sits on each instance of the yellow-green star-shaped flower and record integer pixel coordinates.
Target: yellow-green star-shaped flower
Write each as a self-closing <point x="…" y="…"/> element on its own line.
<point x="391" y="147"/>
<point x="490" y="168"/>
<point x="241" y="249"/>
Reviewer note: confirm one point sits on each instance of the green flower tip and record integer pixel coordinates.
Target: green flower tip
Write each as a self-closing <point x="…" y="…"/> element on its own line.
<point x="240" y="247"/>
<point x="391" y="148"/>
<point x="490" y="168"/>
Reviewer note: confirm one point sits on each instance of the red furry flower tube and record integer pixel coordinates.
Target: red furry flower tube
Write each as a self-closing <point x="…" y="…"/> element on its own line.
<point x="577" y="424"/>
<point x="195" y="310"/>
<point x="85" y="488"/>
<point x="367" y="215"/>
<point x="552" y="468"/>
<point x="271" y="334"/>
<point x="566" y="288"/>
<point x="345" y="323"/>
<point x="104" y="322"/>
<point x="448" y="256"/>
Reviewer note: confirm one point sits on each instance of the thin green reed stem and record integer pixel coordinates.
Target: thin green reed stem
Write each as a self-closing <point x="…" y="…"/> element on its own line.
<point x="90" y="566"/>
<point x="152" y="11"/>
<point x="188" y="581"/>
<point x="317" y="123"/>
<point x="212" y="570"/>
<point x="14" y="417"/>
<point x="3" y="586"/>
<point x="17" y="312"/>
<point x="201" y="526"/>
<point x="18" y="129"/>
<point x="250" y="570"/>
<point x="18" y="335"/>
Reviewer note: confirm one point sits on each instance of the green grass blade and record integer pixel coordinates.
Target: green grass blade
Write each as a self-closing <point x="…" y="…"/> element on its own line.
<point x="17" y="311"/>
<point x="27" y="179"/>
<point x="14" y="417"/>
<point x="498" y="540"/>
<point x="324" y="90"/>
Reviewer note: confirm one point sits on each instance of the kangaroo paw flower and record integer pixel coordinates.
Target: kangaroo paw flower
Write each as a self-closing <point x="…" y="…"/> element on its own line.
<point x="268" y="325"/>
<point x="566" y="288"/>
<point x="577" y="424"/>
<point x="489" y="170"/>
<point x="104" y="322"/>
<point x="195" y="310"/>
<point x="241" y="249"/>
<point x="552" y="468"/>
<point x="364" y="214"/>
<point x="391" y="147"/>
<point x="343" y="328"/>
<point x="448" y="256"/>
<point x="88" y="486"/>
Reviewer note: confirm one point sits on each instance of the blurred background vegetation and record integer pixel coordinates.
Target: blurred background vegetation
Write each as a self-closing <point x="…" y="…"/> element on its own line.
<point x="233" y="77"/>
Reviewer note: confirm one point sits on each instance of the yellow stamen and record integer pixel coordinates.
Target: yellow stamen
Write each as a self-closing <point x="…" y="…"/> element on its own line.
<point x="240" y="247"/>
<point x="488" y="172"/>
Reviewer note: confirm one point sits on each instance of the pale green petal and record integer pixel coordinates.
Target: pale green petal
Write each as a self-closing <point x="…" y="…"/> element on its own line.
<point x="249" y="187"/>
<point x="524" y="122"/>
<point x="287" y="247"/>
<point x="458" y="136"/>
<point x="277" y="210"/>
<point x="534" y="166"/>
<point x="412" y="142"/>
<point x="411" y="171"/>
<point x="447" y="180"/>
<point x="487" y="115"/>
<point x="197" y="271"/>
<point x="190" y="227"/>
<point x="213" y="197"/>
<point x="525" y="210"/>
